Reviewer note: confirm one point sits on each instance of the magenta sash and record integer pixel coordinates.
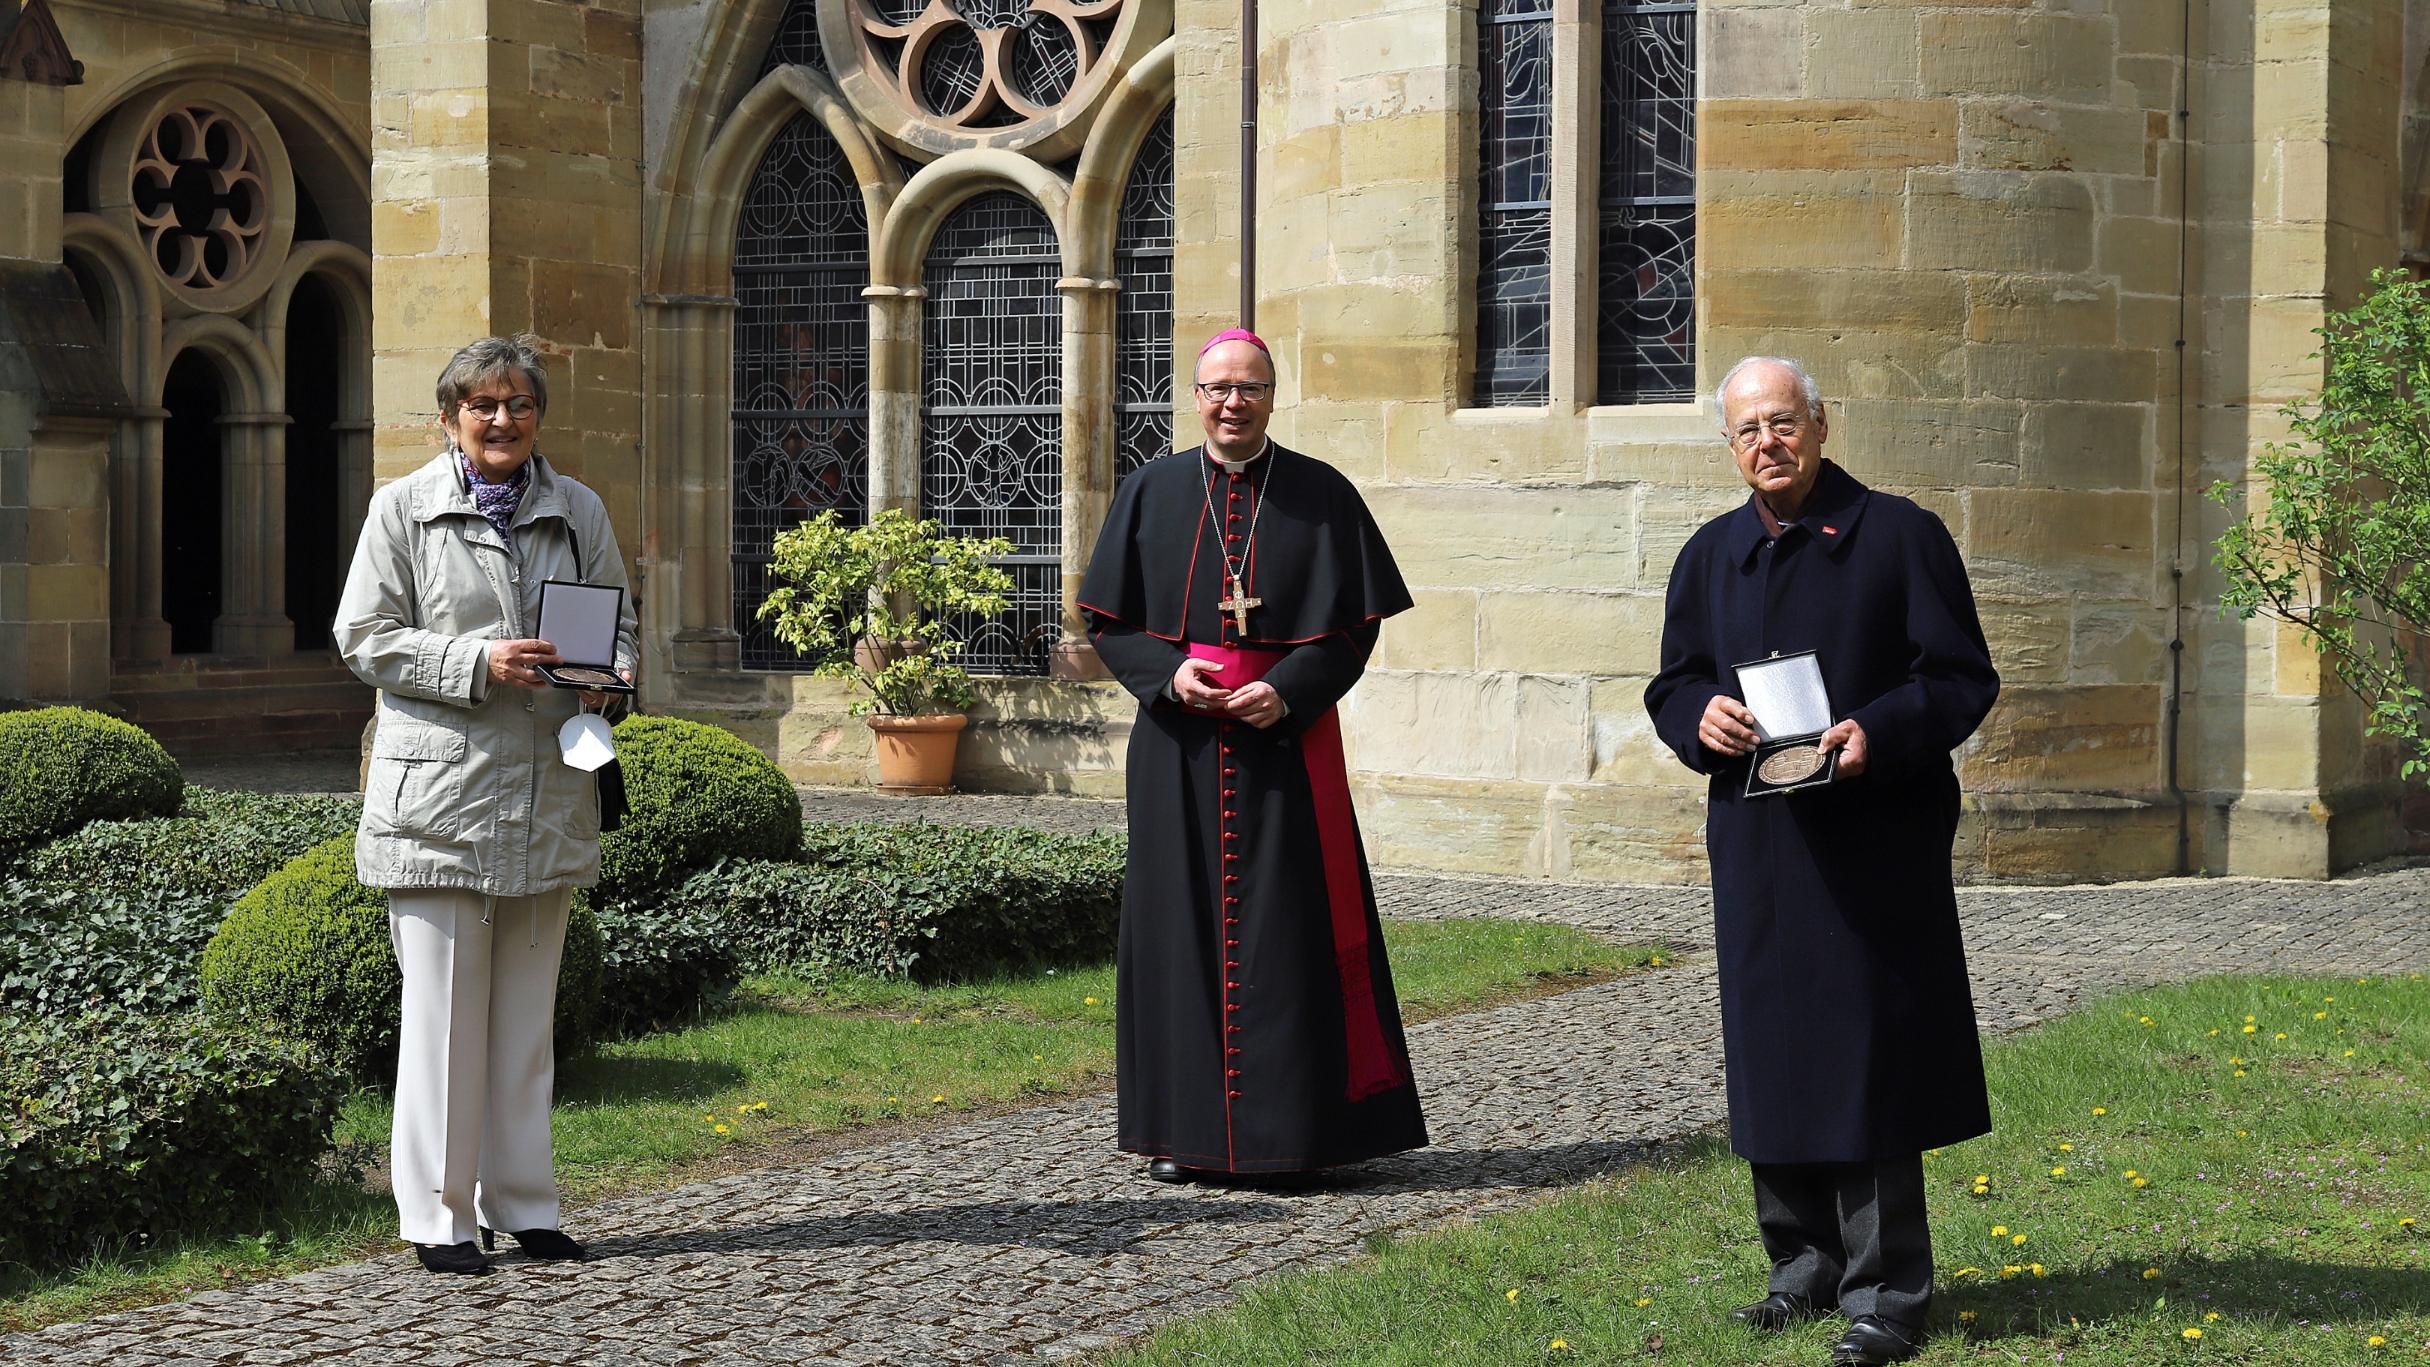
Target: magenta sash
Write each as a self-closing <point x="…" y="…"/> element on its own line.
<point x="1372" y="1066"/>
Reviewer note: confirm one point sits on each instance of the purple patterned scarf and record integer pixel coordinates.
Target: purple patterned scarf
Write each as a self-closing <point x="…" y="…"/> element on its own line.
<point x="497" y="502"/>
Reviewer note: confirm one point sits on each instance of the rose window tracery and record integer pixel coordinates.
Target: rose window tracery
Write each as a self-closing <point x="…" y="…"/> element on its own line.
<point x="999" y="73"/>
<point x="201" y="197"/>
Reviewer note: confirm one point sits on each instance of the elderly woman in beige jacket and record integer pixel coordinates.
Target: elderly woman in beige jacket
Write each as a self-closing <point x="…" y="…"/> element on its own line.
<point x="471" y="817"/>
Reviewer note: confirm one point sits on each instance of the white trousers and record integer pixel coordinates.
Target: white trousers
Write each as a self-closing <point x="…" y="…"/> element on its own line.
<point x="475" y="1061"/>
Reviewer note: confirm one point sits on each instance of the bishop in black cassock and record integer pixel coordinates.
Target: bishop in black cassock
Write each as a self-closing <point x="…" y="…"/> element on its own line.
<point x="1236" y="591"/>
<point x="1847" y="1024"/>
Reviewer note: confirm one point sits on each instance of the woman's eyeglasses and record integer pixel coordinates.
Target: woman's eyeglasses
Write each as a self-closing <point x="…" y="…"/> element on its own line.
<point x="520" y="408"/>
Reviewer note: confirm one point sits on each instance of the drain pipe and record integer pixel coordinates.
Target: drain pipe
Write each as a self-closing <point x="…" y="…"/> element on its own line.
<point x="2176" y="569"/>
<point x="1248" y="164"/>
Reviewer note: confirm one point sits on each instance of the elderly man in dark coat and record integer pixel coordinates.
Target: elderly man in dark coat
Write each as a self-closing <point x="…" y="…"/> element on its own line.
<point x="1847" y="1024"/>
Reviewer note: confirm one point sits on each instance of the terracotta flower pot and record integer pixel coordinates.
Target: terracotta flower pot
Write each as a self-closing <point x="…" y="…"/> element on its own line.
<point x="915" y="754"/>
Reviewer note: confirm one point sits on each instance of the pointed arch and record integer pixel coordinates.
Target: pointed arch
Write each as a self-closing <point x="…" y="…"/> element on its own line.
<point x="1143" y="96"/>
<point x="943" y="186"/>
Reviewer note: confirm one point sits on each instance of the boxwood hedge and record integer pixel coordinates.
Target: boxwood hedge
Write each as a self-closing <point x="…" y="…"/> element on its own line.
<point x="61" y="767"/>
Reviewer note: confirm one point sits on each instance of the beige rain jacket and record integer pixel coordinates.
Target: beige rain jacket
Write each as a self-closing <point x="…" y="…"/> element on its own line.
<point x="466" y="787"/>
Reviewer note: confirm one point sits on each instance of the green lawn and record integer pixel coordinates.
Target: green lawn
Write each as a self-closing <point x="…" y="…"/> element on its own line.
<point x="790" y="1061"/>
<point x="2282" y="1168"/>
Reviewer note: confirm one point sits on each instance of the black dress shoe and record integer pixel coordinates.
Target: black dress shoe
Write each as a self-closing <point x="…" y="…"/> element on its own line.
<point x="1871" y="1341"/>
<point x="547" y="1245"/>
<point x="462" y="1259"/>
<point x="1776" y="1312"/>
<point x="1166" y="1170"/>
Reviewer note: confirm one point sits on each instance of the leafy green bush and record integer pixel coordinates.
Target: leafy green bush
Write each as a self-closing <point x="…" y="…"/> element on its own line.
<point x="61" y="767"/>
<point x="218" y="847"/>
<point x="662" y="965"/>
<point x="65" y="951"/>
<point x="699" y="794"/>
<point x="928" y="902"/>
<point x="309" y="948"/>
<point x="115" y="1123"/>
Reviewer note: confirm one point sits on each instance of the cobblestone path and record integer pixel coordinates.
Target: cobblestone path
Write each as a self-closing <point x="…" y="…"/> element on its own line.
<point x="1029" y="1238"/>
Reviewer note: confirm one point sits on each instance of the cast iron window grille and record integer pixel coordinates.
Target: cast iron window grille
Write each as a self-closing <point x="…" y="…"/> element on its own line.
<point x="1143" y="312"/>
<point x="796" y="42"/>
<point x="1514" y="216"/>
<point x="1646" y="312"/>
<point x="801" y="362"/>
<point x="991" y="414"/>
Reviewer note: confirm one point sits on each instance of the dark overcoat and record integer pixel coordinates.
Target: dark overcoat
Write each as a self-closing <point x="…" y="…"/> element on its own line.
<point x="1847" y="1022"/>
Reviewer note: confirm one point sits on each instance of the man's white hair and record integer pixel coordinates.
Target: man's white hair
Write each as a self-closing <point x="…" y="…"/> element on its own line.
<point x="1805" y="386"/>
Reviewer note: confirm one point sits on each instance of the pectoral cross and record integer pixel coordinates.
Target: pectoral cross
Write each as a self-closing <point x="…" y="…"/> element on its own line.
<point x="1238" y="605"/>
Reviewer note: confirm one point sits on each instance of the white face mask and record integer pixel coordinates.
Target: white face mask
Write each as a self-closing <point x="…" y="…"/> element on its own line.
<point x="586" y="742"/>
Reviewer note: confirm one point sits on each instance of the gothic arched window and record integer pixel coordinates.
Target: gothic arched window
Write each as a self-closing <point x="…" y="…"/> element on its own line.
<point x="1143" y="320"/>
<point x="991" y="413"/>
<point x="801" y="361"/>
<point x="1646" y="314"/>
<point x="1514" y="213"/>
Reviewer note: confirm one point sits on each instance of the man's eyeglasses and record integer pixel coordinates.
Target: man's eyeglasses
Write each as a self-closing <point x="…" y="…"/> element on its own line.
<point x="1783" y="428"/>
<point x="1221" y="392"/>
<point x="520" y="408"/>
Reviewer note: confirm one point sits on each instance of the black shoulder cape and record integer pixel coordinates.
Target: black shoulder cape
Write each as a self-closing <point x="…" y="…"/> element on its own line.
<point x="1319" y="562"/>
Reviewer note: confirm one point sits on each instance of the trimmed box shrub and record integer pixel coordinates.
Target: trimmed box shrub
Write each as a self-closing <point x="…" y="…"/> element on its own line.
<point x="309" y="949"/>
<point x="932" y="903"/>
<point x="699" y="794"/>
<point x="61" y="767"/>
<point x="113" y="1123"/>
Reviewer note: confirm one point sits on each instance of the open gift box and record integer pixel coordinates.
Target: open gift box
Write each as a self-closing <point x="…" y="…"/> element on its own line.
<point x="1792" y="711"/>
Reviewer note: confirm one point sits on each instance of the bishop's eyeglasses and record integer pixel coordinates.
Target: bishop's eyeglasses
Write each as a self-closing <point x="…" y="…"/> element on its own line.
<point x="1221" y="392"/>
<point x="485" y="409"/>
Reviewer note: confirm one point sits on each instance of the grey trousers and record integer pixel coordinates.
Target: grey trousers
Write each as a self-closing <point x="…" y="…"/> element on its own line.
<point x="1850" y="1235"/>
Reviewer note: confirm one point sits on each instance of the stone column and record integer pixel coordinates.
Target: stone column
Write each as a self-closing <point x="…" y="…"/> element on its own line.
<point x="253" y="537"/>
<point x="1088" y="455"/>
<point x="506" y="197"/>
<point x="691" y="351"/>
<point x="138" y="631"/>
<point x="894" y="395"/>
<point x="354" y="480"/>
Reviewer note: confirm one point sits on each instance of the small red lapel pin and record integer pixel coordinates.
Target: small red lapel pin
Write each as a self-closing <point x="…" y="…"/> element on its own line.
<point x="1829" y="530"/>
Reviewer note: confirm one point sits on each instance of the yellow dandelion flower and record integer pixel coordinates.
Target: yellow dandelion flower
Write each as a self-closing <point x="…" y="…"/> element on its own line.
<point x="2193" y="1333"/>
<point x="2240" y="1072"/>
<point x="2406" y="1223"/>
<point x="893" y="1100"/>
<point x="1560" y="1345"/>
<point x="2067" y="1148"/>
<point x="2037" y="1269"/>
<point x="2241" y="1134"/>
<point x="759" y="1105"/>
<point x="1967" y="1272"/>
<point x="2250" y="1029"/>
<point x="2349" y="1053"/>
<point x="936" y="1100"/>
<point x="2211" y="1318"/>
<point x="2320" y="1015"/>
<point x="2326" y="1001"/>
<point x="1966" y="1317"/>
<point x="2058" y="1172"/>
<point x="2238" y="1062"/>
<point x="1657" y="961"/>
<point x="2214" y="1031"/>
<point x="2016" y="1238"/>
<point x="2282" y="1034"/>
<point x="2151" y="1273"/>
<point x="721" y="1129"/>
<point x="1999" y="1231"/>
<point x="2147" y="1020"/>
<point x="2011" y="1270"/>
<point x="2130" y="1172"/>
<point x="709" y="1119"/>
<point x="2377" y="1341"/>
<point x="2100" y="1110"/>
<point x="2143" y="1182"/>
<point x="1512" y="1295"/>
<point x="1645" y="1300"/>
<point x="2249" y="1020"/>
<point x="1088" y="1001"/>
<point x="1982" y="1191"/>
<point x="1982" y="1179"/>
<point x="742" y="1110"/>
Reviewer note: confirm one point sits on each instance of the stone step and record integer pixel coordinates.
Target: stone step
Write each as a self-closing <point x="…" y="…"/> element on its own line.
<point x="220" y="705"/>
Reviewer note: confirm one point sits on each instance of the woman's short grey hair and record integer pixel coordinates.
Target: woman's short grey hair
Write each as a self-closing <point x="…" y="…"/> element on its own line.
<point x="1805" y="386"/>
<point x="487" y="361"/>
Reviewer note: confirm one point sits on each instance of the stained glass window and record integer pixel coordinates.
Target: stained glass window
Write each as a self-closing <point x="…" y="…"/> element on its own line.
<point x="1143" y="322"/>
<point x="1646" y="307"/>
<point x="796" y="42"/>
<point x="1514" y="221"/>
<point x="801" y="361"/>
<point x="991" y="413"/>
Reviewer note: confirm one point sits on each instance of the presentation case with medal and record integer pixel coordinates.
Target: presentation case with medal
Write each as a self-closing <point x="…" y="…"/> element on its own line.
<point x="1792" y="711"/>
<point x="580" y="621"/>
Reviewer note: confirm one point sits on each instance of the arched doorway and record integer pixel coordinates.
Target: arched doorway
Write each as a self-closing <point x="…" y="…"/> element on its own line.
<point x="193" y="474"/>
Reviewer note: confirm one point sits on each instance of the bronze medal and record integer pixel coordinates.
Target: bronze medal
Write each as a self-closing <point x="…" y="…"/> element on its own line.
<point x="1784" y="767"/>
<point x="585" y="674"/>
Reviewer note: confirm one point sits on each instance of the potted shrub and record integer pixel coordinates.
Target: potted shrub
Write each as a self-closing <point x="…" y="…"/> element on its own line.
<point x="873" y="604"/>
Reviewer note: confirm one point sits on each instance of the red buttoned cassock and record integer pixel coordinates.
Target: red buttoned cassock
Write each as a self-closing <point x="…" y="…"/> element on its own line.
<point x="1256" y="1027"/>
